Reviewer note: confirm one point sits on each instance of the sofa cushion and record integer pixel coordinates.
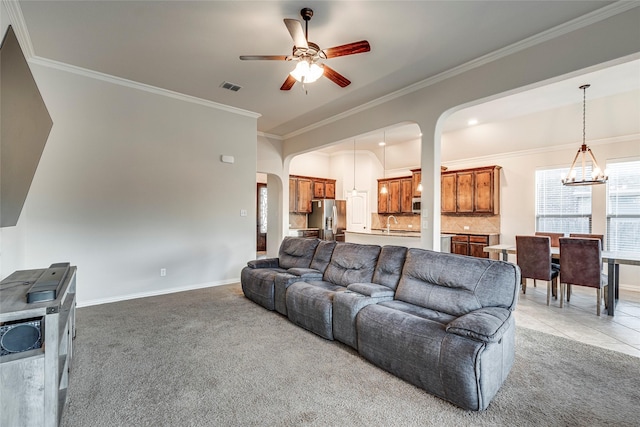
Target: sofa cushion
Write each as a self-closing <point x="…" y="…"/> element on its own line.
<point x="264" y="263"/>
<point x="371" y="290"/>
<point x="389" y="266"/>
<point x="424" y="313"/>
<point x="297" y="252"/>
<point x="322" y="256"/>
<point x="352" y="263"/>
<point x="457" y="284"/>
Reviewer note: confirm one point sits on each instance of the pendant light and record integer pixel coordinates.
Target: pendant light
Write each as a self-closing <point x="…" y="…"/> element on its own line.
<point x="384" y="189"/>
<point x="597" y="175"/>
<point x="354" y="192"/>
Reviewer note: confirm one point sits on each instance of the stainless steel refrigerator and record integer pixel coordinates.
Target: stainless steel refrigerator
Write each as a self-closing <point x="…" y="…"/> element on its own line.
<point x="330" y="217"/>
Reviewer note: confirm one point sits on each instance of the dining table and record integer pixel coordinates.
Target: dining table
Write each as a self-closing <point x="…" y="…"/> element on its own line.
<point x="613" y="260"/>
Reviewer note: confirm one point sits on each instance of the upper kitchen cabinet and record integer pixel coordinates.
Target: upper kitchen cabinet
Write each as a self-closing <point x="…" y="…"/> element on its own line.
<point x="398" y="197"/>
<point x="416" y="175"/>
<point x="300" y="194"/>
<point x="324" y="188"/>
<point x="471" y="191"/>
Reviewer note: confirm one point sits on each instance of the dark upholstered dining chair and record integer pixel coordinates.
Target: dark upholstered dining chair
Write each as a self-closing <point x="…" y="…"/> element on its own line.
<point x="581" y="264"/>
<point x="555" y="237"/>
<point x="534" y="259"/>
<point x="590" y="236"/>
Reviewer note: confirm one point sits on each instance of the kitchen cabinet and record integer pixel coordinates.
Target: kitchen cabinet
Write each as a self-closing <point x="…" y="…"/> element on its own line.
<point x="300" y="194"/>
<point x="406" y="195"/>
<point x="324" y="188"/>
<point x="392" y="201"/>
<point x="471" y="191"/>
<point x="416" y="177"/>
<point x="473" y="244"/>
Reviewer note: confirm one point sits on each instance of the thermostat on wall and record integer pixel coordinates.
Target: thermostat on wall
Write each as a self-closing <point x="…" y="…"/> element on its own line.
<point x="227" y="159"/>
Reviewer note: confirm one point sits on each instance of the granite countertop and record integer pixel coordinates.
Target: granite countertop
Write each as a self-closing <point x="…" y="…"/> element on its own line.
<point x="472" y="233"/>
<point x="396" y="233"/>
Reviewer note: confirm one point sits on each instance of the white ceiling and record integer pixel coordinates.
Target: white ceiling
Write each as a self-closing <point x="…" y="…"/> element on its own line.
<point x="192" y="47"/>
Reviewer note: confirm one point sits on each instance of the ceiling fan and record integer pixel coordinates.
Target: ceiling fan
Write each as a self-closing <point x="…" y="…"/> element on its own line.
<point x="307" y="54"/>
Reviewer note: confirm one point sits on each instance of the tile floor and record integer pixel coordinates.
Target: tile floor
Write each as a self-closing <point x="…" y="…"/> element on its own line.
<point x="577" y="320"/>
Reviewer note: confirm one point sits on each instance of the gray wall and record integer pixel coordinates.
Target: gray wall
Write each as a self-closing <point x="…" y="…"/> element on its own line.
<point x="130" y="182"/>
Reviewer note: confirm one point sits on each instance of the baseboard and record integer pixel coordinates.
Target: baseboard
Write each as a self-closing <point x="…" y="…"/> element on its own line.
<point x="155" y="293"/>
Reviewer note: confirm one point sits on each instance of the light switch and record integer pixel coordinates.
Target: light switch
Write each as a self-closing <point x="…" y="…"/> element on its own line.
<point x="243" y="212"/>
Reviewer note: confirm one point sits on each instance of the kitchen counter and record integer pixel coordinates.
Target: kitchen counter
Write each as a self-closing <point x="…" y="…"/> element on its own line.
<point x="410" y="239"/>
<point x="470" y="233"/>
<point x="301" y="232"/>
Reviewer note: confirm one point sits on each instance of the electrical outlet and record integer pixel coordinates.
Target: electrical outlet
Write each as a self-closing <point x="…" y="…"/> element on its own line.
<point x="243" y="212"/>
<point x="163" y="272"/>
<point x="466" y="227"/>
<point x="409" y="225"/>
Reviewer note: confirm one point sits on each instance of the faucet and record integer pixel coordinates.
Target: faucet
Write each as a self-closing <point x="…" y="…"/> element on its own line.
<point x="388" y="219"/>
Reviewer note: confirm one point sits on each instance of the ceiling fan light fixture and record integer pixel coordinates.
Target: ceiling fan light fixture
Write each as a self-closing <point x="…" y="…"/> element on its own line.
<point x="306" y="72"/>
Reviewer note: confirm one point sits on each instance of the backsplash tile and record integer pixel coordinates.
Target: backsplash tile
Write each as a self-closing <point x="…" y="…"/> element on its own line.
<point x="476" y="224"/>
<point x="297" y="220"/>
<point x="379" y="221"/>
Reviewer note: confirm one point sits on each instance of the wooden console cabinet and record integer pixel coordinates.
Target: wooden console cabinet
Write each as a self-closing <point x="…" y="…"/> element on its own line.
<point x="33" y="383"/>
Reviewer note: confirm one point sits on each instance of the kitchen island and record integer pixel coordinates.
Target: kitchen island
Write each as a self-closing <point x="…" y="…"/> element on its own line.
<point x="409" y="239"/>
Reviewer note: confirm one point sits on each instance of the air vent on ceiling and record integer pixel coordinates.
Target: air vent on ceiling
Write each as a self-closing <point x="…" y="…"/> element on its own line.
<point x="230" y="86"/>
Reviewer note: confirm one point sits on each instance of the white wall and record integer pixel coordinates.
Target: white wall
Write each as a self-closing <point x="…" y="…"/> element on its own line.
<point x="131" y="182"/>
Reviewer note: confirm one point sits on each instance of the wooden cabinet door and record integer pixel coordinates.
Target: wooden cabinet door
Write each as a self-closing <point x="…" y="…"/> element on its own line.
<point x="318" y="189"/>
<point x="394" y="196"/>
<point x="476" y="246"/>
<point x="460" y="244"/>
<point x="417" y="179"/>
<point x="448" y="193"/>
<point x="293" y="194"/>
<point x="406" y="195"/>
<point x="330" y="190"/>
<point x="483" y="194"/>
<point x="304" y="195"/>
<point x="383" y="199"/>
<point x="464" y="190"/>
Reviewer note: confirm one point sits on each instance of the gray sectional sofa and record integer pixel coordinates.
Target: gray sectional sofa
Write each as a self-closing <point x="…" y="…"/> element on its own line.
<point x="442" y="322"/>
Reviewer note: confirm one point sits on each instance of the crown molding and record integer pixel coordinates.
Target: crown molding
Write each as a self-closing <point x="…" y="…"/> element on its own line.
<point x="19" y="27"/>
<point x="550" y="34"/>
<point x="270" y="136"/>
<point x="49" y="63"/>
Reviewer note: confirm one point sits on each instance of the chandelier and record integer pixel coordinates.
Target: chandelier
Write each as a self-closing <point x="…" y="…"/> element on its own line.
<point x="597" y="176"/>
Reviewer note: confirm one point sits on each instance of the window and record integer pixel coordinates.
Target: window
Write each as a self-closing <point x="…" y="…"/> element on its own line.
<point x="561" y="208"/>
<point x="623" y="206"/>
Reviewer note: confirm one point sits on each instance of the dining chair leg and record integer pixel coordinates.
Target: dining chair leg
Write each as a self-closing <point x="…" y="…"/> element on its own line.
<point x="599" y="297"/>
<point x="548" y="291"/>
<point x="523" y="281"/>
<point x="562" y="285"/>
<point x="568" y="290"/>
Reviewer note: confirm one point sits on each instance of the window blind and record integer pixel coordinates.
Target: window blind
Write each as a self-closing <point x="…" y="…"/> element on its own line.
<point x="623" y="206"/>
<point x="560" y="208"/>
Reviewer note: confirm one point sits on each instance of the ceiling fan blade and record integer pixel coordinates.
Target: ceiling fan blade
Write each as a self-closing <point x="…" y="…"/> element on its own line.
<point x="348" y="49"/>
<point x="297" y="33"/>
<point x="288" y="84"/>
<point x="264" y="57"/>
<point x="335" y="76"/>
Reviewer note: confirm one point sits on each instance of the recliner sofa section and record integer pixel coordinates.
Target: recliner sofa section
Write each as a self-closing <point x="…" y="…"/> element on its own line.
<point x="310" y="302"/>
<point x="295" y="256"/>
<point x="450" y="328"/>
<point x="440" y="321"/>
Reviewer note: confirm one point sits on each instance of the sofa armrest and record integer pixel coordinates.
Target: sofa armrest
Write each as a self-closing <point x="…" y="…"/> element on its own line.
<point x="487" y="324"/>
<point x="371" y="290"/>
<point x="307" y="273"/>
<point x="264" y="263"/>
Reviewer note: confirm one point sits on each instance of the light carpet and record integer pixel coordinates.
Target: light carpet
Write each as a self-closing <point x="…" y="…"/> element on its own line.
<point x="211" y="357"/>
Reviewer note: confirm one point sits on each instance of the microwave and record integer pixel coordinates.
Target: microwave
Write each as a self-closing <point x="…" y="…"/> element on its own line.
<point x="416" y="205"/>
